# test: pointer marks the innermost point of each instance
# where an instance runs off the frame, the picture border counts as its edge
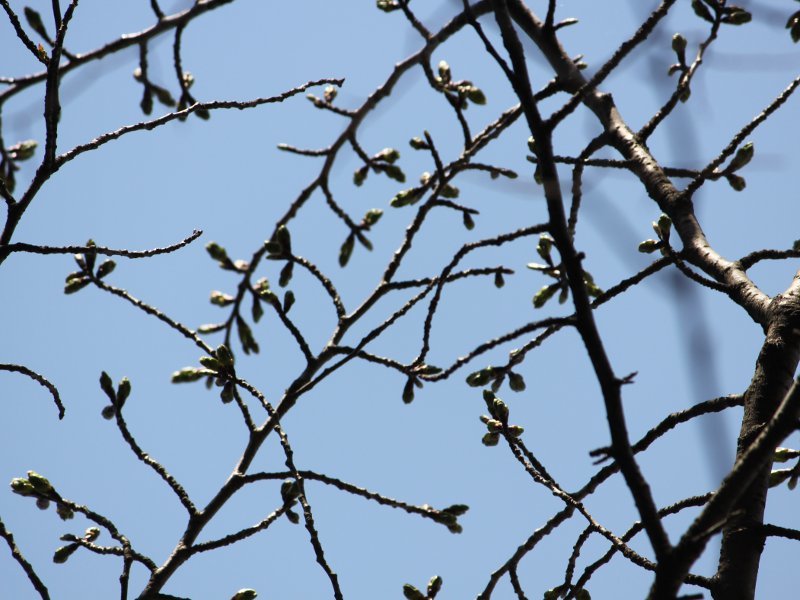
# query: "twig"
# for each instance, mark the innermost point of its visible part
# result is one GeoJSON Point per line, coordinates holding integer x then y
{"type": "Point", "coordinates": [39, 379]}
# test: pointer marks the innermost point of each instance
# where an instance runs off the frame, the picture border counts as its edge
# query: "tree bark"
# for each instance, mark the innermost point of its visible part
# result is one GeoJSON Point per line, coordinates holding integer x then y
{"type": "Point", "coordinates": [742, 539]}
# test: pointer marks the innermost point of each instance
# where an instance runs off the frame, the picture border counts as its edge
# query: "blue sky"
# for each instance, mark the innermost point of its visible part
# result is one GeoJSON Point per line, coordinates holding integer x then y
{"type": "Point", "coordinates": [227, 177]}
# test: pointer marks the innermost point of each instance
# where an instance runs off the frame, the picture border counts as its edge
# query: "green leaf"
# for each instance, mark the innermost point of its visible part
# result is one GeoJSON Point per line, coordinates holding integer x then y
{"type": "Point", "coordinates": [217, 252]}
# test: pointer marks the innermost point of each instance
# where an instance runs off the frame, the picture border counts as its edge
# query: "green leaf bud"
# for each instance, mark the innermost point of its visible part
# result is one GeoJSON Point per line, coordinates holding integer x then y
{"type": "Point", "coordinates": [217, 252]}
{"type": "Point", "coordinates": [469, 223]}
{"type": "Point", "coordinates": [105, 268]}
{"type": "Point", "coordinates": [224, 356]}
{"type": "Point", "coordinates": [387, 5]}
{"type": "Point", "coordinates": [123, 390]}
{"type": "Point", "coordinates": [107, 386]}
{"type": "Point", "coordinates": [702, 11]}
{"type": "Point", "coordinates": [23, 487]}
{"type": "Point", "coordinates": [286, 274]}
{"type": "Point", "coordinates": [737, 182]}
{"type": "Point", "coordinates": [494, 426]}
{"type": "Point", "coordinates": [389, 155]}
{"type": "Point", "coordinates": [64, 511]}
{"type": "Point", "coordinates": [288, 301]}
{"type": "Point", "coordinates": [475, 95]}
{"type": "Point", "coordinates": [743, 156]}
{"type": "Point", "coordinates": [284, 238]}
{"type": "Point", "coordinates": [228, 392]}
{"type": "Point", "coordinates": [394, 172]}
{"type": "Point", "coordinates": [434, 585]}
{"type": "Point", "coordinates": [679, 45]}
{"type": "Point", "coordinates": [360, 175]}
{"type": "Point", "coordinates": [405, 198]}
{"type": "Point", "coordinates": [245, 594]}
{"type": "Point", "coordinates": [480, 378]}
{"type": "Point", "coordinates": [490, 439]}
{"type": "Point", "coordinates": [211, 363]}
{"type": "Point", "coordinates": [784, 454]}
{"type": "Point", "coordinates": [449, 191]}
{"type": "Point", "coordinates": [499, 281]}
{"type": "Point", "coordinates": [221, 299]}
{"type": "Point", "coordinates": [649, 246]}
{"type": "Point", "coordinates": [408, 391]}
{"type": "Point", "coordinates": [778, 476]}
{"type": "Point", "coordinates": [329, 93]}
{"type": "Point", "coordinates": [417, 143]}
{"type": "Point", "coordinates": [515, 430]}
{"type": "Point", "coordinates": [22, 150]}
{"type": "Point", "coordinates": [499, 410]}
{"type": "Point", "coordinates": [188, 375]}
{"type": "Point", "coordinates": [346, 251]}
{"type": "Point", "coordinates": [76, 284]}
{"type": "Point", "coordinates": [412, 593]}
{"type": "Point", "coordinates": [63, 553]}
{"type": "Point", "coordinates": [40, 484]}
{"type": "Point", "coordinates": [108, 412]}
{"type": "Point", "coordinates": [444, 71]}
{"type": "Point", "coordinates": [373, 216]}
{"type": "Point", "coordinates": [42, 503]}
{"type": "Point", "coordinates": [91, 534]}
{"type": "Point", "coordinates": [256, 311]}
{"type": "Point", "coordinates": [736, 16]}
{"type": "Point", "coordinates": [543, 295]}
{"type": "Point", "coordinates": [516, 382]}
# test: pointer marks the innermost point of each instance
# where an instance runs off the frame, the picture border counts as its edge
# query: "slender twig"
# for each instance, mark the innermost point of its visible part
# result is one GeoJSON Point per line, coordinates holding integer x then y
{"type": "Point", "coordinates": [214, 105]}
{"type": "Point", "coordinates": [41, 380]}
{"type": "Point", "coordinates": [37, 249]}
{"type": "Point", "coordinates": [17, 555]}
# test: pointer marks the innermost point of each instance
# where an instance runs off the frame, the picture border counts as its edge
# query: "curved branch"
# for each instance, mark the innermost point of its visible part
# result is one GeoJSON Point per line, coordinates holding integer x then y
{"type": "Point", "coordinates": [39, 379]}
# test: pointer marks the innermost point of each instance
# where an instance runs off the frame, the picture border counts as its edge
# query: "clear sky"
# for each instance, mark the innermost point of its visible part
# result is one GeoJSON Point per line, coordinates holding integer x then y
{"type": "Point", "coordinates": [227, 178]}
